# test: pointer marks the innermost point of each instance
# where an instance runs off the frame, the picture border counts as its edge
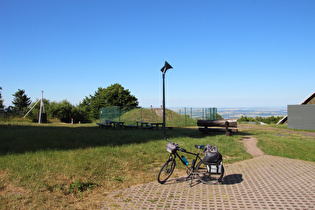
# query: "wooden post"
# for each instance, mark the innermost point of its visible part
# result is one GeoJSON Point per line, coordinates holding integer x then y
{"type": "Point", "coordinates": [227, 128]}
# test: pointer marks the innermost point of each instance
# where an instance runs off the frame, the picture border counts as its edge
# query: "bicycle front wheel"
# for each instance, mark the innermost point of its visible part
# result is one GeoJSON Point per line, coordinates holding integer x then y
{"type": "Point", "coordinates": [166, 170]}
{"type": "Point", "coordinates": [206, 175]}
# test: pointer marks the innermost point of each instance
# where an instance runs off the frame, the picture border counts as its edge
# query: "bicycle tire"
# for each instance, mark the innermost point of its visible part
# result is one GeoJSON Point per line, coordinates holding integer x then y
{"type": "Point", "coordinates": [166, 171]}
{"type": "Point", "coordinates": [206, 177]}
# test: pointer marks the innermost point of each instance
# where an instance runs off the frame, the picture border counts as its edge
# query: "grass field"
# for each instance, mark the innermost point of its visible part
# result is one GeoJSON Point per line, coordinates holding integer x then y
{"type": "Point", "coordinates": [75, 166]}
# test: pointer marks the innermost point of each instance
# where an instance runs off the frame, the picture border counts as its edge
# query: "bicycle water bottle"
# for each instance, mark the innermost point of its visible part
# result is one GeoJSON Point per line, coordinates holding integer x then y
{"type": "Point", "coordinates": [185, 160]}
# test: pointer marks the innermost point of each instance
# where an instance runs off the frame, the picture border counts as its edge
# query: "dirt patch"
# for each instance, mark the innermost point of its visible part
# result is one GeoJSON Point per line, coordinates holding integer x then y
{"type": "Point", "coordinates": [250, 144]}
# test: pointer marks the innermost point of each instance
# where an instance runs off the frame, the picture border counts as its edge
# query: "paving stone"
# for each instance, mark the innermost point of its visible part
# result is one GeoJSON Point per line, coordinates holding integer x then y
{"type": "Point", "coordinates": [264, 182]}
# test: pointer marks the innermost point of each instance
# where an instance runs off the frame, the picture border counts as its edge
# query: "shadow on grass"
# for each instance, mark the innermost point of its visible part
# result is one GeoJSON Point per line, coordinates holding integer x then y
{"type": "Point", "coordinates": [21, 138]}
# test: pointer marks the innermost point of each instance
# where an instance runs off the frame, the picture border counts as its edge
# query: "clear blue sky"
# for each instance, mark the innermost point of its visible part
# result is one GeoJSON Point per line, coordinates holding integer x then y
{"type": "Point", "coordinates": [224, 53]}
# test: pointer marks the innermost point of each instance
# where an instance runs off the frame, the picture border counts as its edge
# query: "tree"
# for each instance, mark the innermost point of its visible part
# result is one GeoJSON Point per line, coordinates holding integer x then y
{"type": "Point", "coordinates": [114, 95]}
{"type": "Point", "coordinates": [1, 100]}
{"type": "Point", "coordinates": [20, 100]}
{"type": "Point", "coordinates": [219, 117]}
{"type": "Point", "coordinates": [79, 115]}
{"type": "Point", "coordinates": [61, 110]}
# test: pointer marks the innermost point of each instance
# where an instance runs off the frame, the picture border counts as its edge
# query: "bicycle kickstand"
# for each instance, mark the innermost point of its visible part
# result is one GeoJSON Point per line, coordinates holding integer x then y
{"type": "Point", "coordinates": [191, 176]}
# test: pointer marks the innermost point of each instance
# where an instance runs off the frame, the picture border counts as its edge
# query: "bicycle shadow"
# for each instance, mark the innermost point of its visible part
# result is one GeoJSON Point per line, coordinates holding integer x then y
{"type": "Point", "coordinates": [232, 179]}
{"type": "Point", "coordinates": [227, 180]}
{"type": "Point", "coordinates": [177, 180]}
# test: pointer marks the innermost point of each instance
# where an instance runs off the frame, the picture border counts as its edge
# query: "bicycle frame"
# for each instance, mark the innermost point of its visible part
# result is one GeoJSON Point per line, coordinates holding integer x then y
{"type": "Point", "coordinates": [194, 161]}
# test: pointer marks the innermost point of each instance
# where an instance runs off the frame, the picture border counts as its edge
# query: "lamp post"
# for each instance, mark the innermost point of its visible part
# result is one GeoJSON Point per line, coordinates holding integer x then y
{"type": "Point", "coordinates": [163, 70]}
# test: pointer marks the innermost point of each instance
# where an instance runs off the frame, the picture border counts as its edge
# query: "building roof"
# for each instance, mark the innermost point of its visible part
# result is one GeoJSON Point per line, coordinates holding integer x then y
{"type": "Point", "coordinates": [309, 99]}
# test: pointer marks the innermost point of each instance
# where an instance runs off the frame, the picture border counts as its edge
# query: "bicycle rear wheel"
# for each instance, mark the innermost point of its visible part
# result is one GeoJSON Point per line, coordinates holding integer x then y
{"type": "Point", "coordinates": [166, 170]}
{"type": "Point", "coordinates": [205, 175]}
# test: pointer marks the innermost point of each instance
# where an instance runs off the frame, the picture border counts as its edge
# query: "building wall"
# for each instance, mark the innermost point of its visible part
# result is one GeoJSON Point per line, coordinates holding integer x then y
{"type": "Point", "coordinates": [301, 116]}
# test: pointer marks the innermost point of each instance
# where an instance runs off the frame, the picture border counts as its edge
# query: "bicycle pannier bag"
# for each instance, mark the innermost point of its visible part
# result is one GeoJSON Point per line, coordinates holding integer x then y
{"type": "Point", "coordinates": [171, 148]}
{"type": "Point", "coordinates": [215, 168]}
{"type": "Point", "coordinates": [212, 154]}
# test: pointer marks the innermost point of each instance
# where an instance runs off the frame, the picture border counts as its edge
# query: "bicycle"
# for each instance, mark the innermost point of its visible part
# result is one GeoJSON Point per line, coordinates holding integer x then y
{"type": "Point", "coordinates": [207, 173]}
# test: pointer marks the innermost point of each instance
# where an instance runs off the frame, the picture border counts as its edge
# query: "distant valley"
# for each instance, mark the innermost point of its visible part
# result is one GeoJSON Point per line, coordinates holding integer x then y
{"type": "Point", "coordinates": [228, 113]}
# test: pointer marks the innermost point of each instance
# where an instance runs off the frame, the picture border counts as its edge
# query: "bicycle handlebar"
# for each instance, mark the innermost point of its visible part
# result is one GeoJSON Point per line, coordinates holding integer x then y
{"type": "Point", "coordinates": [167, 140]}
{"type": "Point", "coordinates": [181, 149]}
{"type": "Point", "coordinates": [177, 147]}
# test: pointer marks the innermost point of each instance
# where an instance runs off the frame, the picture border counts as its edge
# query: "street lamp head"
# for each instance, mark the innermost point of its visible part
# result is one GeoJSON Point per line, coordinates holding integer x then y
{"type": "Point", "coordinates": [166, 67]}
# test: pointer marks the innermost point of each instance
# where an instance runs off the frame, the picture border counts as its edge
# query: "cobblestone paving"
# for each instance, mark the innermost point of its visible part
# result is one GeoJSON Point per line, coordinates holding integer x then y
{"type": "Point", "coordinates": [264, 182]}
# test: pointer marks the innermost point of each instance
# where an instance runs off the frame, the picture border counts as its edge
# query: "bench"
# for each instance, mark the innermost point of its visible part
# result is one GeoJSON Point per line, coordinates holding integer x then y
{"type": "Point", "coordinates": [148, 126]}
{"type": "Point", "coordinates": [224, 124]}
{"type": "Point", "coordinates": [130, 126]}
{"type": "Point", "coordinates": [104, 125]}
{"type": "Point", "coordinates": [157, 125]}
{"type": "Point", "coordinates": [110, 123]}
{"type": "Point", "coordinates": [144, 125]}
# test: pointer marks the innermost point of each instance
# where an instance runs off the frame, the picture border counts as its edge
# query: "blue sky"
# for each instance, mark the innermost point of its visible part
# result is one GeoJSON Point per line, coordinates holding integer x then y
{"type": "Point", "coordinates": [224, 53]}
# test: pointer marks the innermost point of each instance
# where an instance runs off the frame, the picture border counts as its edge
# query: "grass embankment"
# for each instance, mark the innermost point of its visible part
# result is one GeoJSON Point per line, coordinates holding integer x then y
{"type": "Point", "coordinates": [148, 115]}
{"type": "Point", "coordinates": [69, 166]}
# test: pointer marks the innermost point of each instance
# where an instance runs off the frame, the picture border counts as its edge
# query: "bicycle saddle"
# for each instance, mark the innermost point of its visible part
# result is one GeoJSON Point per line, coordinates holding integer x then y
{"type": "Point", "coordinates": [200, 146]}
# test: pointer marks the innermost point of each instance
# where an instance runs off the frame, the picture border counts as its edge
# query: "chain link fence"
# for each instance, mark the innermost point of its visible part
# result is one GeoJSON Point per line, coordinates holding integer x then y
{"type": "Point", "coordinates": [197, 113]}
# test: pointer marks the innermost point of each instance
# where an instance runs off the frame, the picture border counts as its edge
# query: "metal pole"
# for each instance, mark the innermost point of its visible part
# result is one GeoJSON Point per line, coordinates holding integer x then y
{"type": "Point", "coordinates": [164, 131]}
{"type": "Point", "coordinates": [40, 109]}
{"type": "Point", "coordinates": [119, 113]}
{"type": "Point", "coordinates": [185, 115]}
{"type": "Point", "coordinates": [42, 102]}
{"type": "Point", "coordinates": [31, 108]}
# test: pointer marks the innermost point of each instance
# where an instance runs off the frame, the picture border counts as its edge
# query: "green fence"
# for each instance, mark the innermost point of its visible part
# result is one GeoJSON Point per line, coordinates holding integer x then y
{"type": "Point", "coordinates": [129, 115]}
{"type": "Point", "coordinates": [174, 116]}
{"type": "Point", "coordinates": [113, 113]}
{"type": "Point", "coordinates": [197, 113]}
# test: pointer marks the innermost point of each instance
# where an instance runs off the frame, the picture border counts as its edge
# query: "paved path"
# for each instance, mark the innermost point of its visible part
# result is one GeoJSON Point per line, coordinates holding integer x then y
{"type": "Point", "coordinates": [264, 182]}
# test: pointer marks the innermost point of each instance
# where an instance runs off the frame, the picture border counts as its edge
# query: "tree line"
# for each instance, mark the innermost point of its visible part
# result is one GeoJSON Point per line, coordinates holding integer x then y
{"type": "Point", "coordinates": [86, 111]}
{"type": "Point", "coordinates": [268, 120]}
